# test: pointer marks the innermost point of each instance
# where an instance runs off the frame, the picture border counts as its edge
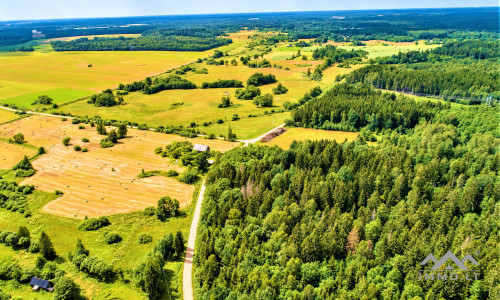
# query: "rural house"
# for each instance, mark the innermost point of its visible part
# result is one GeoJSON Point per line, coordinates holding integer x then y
{"type": "Point", "coordinates": [38, 283]}
{"type": "Point", "coordinates": [201, 148]}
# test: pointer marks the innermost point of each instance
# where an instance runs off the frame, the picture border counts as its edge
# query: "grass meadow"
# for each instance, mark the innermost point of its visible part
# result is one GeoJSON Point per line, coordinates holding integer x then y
{"type": "Point", "coordinates": [300, 134]}
{"type": "Point", "coordinates": [122, 255]}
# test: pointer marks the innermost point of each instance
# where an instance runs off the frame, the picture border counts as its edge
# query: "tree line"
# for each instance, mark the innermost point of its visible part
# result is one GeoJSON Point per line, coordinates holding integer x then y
{"type": "Point", "coordinates": [142, 43]}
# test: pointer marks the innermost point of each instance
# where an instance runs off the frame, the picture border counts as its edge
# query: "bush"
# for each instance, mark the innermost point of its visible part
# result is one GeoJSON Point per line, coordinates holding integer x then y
{"type": "Point", "coordinates": [85, 150]}
{"type": "Point", "coordinates": [81, 127]}
{"type": "Point", "coordinates": [18, 138]}
{"type": "Point", "coordinates": [149, 211]}
{"type": "Point", "coordinates": [58, 192]}
{"type": "Point", "coordinates": [34, 248]}
{"type": "Point", "coordinates": [106, 143]}
{"type": "Point", "coordinates": [65, 141]}
{"type": "Point", "coordinates": [172, 173]}
{"type": "Point", "coordinates": [144, 238]}
{"type": "Point", "coordinates": [248, 93]}
{"type": "Point", "coordinates": [94, 224]}
{"type": "Point", "coordinates": [77, 148]}
{"type": "Point", "coordinates": [25, 173]}
{"type": "Point", "coordinates": [189, 176]}
{"type": "Point", "coordinates": [66, 289]}
{"type": "Point", "coordinates": [85, 140]}
{"type": "Point", "coordinates": [280, 89]}
{"type": "Point", "coordinates": [112, 238]}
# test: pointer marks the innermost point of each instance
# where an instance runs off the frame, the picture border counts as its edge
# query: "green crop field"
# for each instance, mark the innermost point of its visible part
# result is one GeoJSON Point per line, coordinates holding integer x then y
{"type": "Point", "coordinates": [181, 107]}
{"type": "Point", "coordinates": [71, 75]}
{"type": "Point", "coordinates": [58, 95]}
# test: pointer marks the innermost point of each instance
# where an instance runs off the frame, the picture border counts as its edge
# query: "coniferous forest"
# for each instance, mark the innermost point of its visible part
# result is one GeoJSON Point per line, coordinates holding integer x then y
{"type": "Point", "coordinates": [467, 69]}
{"type": "Point", "coordinates": [328, 220]}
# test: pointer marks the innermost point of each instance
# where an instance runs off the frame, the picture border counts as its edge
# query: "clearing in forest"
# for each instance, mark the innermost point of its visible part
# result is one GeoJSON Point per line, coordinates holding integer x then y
{"type": "Point", "coordinates": [300, 134]}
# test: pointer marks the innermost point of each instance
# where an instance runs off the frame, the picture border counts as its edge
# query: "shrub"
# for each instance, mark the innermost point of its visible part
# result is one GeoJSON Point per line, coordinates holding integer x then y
{"type": "Point", "coordinates": [189, 176]}
{"type": "Point", "coordinates": [149, 211]}
{"type": "Point", "coordinates": [144, 238]}
{"type": "Point", "coordinates": [85, 140]}
{"type": "Point", "coordinates": [66, 289]}
{"type": "Point", "coordinates": [81, 127]}
{"type": "Point", "coordinates": [94, 223]}
{"type": "Point", "coordinates": [77, 148]}
{"type": "Point", "coordinates": [58, 192]}
{"type": "Point", "coordinates": [25, 173]}
{"type": "Point", "coordinates": [18, 138]}
{"type": "Point", "coordinates": [112, 238]}
{"type": "Point", "coordinates": [172, 173]}
{"type": "Point", "coordinates": [41, 151]}
{"type": "Point", "coordinates": [40, 262]}
{"type": "Point", "coordinates": [34, 248]}
{"type": "Point", "coordinates": [280, 89]}
{"type": "Point", "coordinates": [65, 141]}
{"type": "Point", "coordinates": [85, 150]}
{"type": "Point", "coordinates": [106, 143]}
{"type": "Point", "coordinates": [248, 93]}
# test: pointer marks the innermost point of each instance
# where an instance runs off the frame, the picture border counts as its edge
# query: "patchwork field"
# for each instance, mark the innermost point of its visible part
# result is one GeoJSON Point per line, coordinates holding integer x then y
{"type": "Point", "coordinates": [125, 254]}
{"type": "Point", "coordinates": [101, 181]}
{"type": "Point", "coordinates": [47, 73]}
{"type": "Point", "coordinates": [181, 107]}
{"type": "Point", "coordinates": [300, 134]}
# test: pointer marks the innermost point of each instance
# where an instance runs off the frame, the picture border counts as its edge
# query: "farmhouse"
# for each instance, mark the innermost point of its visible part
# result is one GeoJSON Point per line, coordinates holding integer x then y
{"type": "Point", "coordinates": [37, 34]}
{"type": "Point", "coordinates": [38, 283]}
{"type": "Point", "coordinates": [201, 148]}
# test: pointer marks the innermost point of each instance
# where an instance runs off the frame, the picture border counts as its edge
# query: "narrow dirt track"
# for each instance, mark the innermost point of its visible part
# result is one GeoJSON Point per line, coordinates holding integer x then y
{"type": "Point", "coordinates": [187, 275]}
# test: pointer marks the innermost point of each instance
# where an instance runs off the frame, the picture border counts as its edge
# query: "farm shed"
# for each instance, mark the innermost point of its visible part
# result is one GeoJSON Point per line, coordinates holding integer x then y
{"type": "Point", "coordinates": [38, 283]}
{"type": "Point", "coordinates": [201, 148]}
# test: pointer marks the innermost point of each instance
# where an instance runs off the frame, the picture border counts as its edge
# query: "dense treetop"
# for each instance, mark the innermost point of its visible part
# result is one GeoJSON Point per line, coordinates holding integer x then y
{"type": "Point", "coordinates": [325, 220]}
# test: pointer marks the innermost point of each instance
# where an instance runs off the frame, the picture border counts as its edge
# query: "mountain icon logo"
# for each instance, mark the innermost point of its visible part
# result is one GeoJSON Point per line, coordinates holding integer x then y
{"type": "Point", "coordinates": [449, 256]}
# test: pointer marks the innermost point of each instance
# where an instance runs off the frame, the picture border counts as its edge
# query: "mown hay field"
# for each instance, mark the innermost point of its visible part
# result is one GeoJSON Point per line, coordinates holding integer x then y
{"type": "Point", "coordinates": [101, 181]}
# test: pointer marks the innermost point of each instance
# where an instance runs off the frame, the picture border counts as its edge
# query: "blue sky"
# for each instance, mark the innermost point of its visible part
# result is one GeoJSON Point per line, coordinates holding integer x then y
{"type": "Point", "coordinates": [50, 9]}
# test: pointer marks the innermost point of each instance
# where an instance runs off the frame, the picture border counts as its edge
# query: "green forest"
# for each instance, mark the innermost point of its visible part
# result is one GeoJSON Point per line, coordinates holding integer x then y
{"type": "Point", "coordinates": [467, 69]}
{"type": "Point", "coordinates": [142, 43]}
{"type": "Point", "coordinates": [328, 220]}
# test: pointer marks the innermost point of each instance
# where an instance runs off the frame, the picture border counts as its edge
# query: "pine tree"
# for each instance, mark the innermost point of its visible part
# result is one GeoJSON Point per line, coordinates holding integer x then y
{"type": "Point", "coordinates": [24, 164]}
{"type": "Point", "coordinates": [179, 245]}
{"type": "Point", "coordinates": [46, 247]}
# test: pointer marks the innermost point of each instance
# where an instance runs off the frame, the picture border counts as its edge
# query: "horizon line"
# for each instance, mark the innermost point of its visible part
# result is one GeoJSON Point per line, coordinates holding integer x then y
{"type": "Point", "coordinates": [243, 13]}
